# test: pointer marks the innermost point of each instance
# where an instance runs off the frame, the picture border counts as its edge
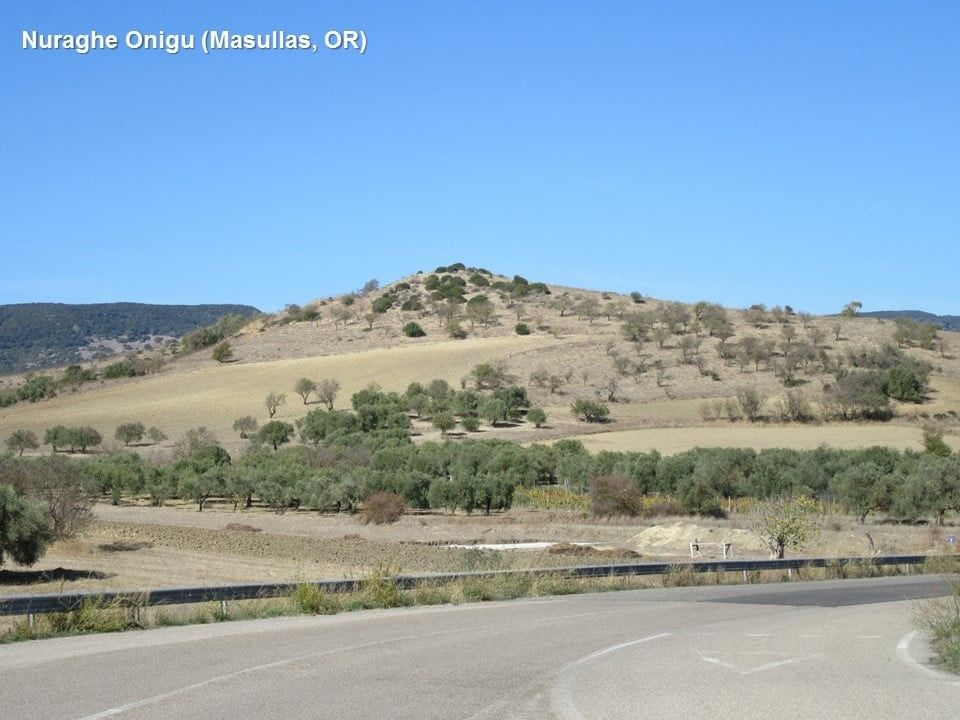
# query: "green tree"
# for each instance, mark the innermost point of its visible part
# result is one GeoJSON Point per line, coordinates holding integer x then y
{"type": "Point", "coordinates": [412, 329]}
{"type": "Point", "coordinates": [444, 422]}
{"type": "Point", "coordinates": [21, 440]}
{"type": "Point", "coordinates": [493, 410]}
{"type": "Point", "coordinates": [537, 416]}
{"type": "Point", "coordinates": [590, 411]}
{"type": "Point", "coordinates": [56, 437]}
{"type": "Point", "coordinates": [275, 433]}
{"type": "Point", "coordinates": [24, 527]}
{"type": "Point", "coordinates": [156, 435]}
{"type": "Point", "coordinates": [130, 432]}
{"type": "Point", "coordinates": [245, 425]}
{"type": "Point", "coordinates": [222, 352]}
{"type": "Point", "coordinates": [785, 522]}
{"type": "Point", "coordinates": [305, 387]}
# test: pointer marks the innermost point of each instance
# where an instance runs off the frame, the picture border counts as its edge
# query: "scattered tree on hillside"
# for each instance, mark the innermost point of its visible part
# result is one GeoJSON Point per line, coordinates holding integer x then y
{"type": "Point", "coordinates": [21, 440]}
{"type": "Point", "coordinates": [245, 425]}
{"type": "Point", "coordinates": [851, 308]}
{"type": "Point", "coordinates": [273, 401]}
{"type": "Point", "coordinates": [537, 416]}
{"type": "Point", "coordinates": [327, 391]}
{"type": "Point", "coordinates": [589, 411]}
{"type": "Point", "coordinates": [156, 435]}
{"type": "Point", "coordinates": [130, 432]}
{"type": "Point", "coordinates": [751, 402]}
{"type": "Point", "coordinates": [24, 527]}
{"type": "Point", "coordinates": [305, 387]}
{"type": "Point", "coordinates": [275, 433]}
{"type": "Point", "coordinates": [222, 352]}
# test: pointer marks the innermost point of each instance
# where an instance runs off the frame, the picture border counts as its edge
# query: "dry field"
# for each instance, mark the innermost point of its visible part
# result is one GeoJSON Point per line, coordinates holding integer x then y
{"type": "Point", "coordinates": [195, 391]}
{"type": "Point", "coordinates": [137, 547]}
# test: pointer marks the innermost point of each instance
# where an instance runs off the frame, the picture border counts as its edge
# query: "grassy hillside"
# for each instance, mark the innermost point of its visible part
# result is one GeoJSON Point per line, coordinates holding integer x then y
{"type": "Point", "coordinates": [663, 391]}
{"type": "Point", "coordinates": [41, 335]}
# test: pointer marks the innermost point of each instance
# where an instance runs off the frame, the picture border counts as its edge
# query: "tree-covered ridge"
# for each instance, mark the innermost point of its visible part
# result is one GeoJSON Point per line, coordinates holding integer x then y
{"type": "Point", "coordinates": [38, 335]}
{"type": "Point", "coordinates": [947, 322]}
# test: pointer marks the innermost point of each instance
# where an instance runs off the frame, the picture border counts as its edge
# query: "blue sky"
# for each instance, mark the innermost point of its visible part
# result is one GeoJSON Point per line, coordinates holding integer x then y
{"type": "Point", "coordinates": [802, 153]}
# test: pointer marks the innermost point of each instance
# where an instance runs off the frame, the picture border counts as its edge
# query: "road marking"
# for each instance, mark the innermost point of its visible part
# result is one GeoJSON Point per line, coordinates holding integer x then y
{"type": "Point", "coordinates": [120, 709]}
{"type": "Point", "coordinates": [903, 652]}
{"type": "Point", "coordinates": [869, 637]}
{"type": "Point", "coordinates": [612, 649]}
{"type": "Point", "coordinates": [778, 663]}
{"type": "Point", "coordinates": [561, 699]}
{"type": "Point", "coordinates": [813, 635]}
{"type": "Point", "coordinates": [757, 635]}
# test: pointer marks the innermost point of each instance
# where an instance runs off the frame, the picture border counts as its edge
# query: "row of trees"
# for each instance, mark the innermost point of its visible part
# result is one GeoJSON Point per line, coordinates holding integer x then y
{"type": "Point", "coordinates": [80, 438]}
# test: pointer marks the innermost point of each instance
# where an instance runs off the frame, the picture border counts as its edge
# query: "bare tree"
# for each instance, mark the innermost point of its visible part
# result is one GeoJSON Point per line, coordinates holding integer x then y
{"type": "Point", "coordinates": [327, 392]}
{"type": "Point", "coordinates": [273, 401]}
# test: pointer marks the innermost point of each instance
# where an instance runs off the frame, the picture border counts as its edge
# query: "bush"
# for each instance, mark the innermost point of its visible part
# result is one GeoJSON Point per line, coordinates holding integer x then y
{"type": "Point", "coordinates": [36, 388]}
{"type": "Point", "coordinates": [412, 329]}
{"type": "Point", "coordinates": [130, 432]}
{"type": "Point", "coordinates": [456, 331]}
{"type": "Point", "coordinates": [24, 527]}
{"type": "Point", "coordinates": [382, 508]}
{"type": "Point", "coordinates": [311, 600]}
{"type": "Point", "coordinates": [522, 329]}
{"type": "Point", "coordinates": [222, 352]}
{"type": "Point", "coordinates": [471, 423]}
{"type": "Point", "coordinates": [903, 384]}
{"type": "Point", "coordinates": [590, 411]}
{"type": "Point", "coordinates": [383, 303]}
{"type": "Point", "coordinates": [537, 416]}
{"type": "Point", "coordinates": [614, 495]}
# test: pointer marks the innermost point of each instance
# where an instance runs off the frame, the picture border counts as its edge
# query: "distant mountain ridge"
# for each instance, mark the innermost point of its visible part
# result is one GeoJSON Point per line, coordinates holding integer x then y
{"type": "Point", "coordinates": [39, 335]}
{"type": "Point", "coordinates": [947, 322]}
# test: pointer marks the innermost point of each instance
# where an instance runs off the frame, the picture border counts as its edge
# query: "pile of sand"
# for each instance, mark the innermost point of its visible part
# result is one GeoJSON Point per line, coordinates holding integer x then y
{"type": "Point", "coordinates": [675, 539]}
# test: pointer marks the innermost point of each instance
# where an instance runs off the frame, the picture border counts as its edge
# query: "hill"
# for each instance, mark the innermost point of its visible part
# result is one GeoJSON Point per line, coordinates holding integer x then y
{"type": "Point", "coordinates": [40, 335]}
{"type": "Point", "coordinates": [947, 322]}
{"type": "Point", "coordinates": [670, 373]}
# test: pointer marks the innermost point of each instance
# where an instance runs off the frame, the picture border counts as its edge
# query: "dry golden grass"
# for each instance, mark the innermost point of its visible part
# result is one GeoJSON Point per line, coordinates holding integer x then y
{"type": "Point", "coordinates": [672, 440]}
{"type": "Point", "coordinates": [194, 390]}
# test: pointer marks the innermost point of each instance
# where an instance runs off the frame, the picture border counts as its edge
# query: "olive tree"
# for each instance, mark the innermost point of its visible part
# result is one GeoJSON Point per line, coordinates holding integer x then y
{"type": "Point", "coordinates": [327, 390]}
{"type": "Point", "coordinates": [273, 401]}
{"type": "Point", "coordinates": [785, 522]}
{"type": "Point", "coordinates": [130, 432]}
{"type": "Point", "coordinates": [21, 440]}
{"type": "Point", "coordinates": [305, 387]}
{"type": "Point", "coordinates": [24, 527]}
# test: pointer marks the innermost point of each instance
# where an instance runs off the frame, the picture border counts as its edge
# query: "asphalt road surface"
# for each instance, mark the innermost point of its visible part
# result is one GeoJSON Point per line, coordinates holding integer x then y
{"type": "Point", "coordinates": [838, 649]}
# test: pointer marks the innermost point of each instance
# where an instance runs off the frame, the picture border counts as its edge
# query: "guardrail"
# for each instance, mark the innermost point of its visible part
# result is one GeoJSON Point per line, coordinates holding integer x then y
{"type": "Point", "coordinates": [39, 604]}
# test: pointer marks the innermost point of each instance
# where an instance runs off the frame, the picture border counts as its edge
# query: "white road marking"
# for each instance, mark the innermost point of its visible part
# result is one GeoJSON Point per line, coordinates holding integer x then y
{"type": "Point", "coordinates": [561, 699]}
{"type": "Point", "coordinates": [758, 635]}
{"type": "Point", "coordinates": [903, 652]}
{"type": "Point", "coordinates": [869, 637]}
{"type": "Point", "coordinates": [120, 709]}
{"type": "Point", "coordinates": [612, 649]}
{"type": "Point", "coordinates": [778, 663]}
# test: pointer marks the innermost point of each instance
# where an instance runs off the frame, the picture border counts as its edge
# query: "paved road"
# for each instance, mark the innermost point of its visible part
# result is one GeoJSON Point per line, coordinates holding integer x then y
{"type": "Point", "coordinates": [839, 649]}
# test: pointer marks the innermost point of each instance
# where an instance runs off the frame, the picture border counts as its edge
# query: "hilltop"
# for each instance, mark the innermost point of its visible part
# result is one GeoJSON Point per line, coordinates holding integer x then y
{"type": "Point", "coordinates": [35, 336]}
{"type": "Point", "coordinates": [671, 374]}
{"type": "Point", "coordinates": [947, 322]}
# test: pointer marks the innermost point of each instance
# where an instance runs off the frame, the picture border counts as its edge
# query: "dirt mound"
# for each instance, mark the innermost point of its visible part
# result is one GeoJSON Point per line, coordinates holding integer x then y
{"type": "Point", "coordinates": [589, 551]}
{"type": "Point", "coordinates": [675, 539]}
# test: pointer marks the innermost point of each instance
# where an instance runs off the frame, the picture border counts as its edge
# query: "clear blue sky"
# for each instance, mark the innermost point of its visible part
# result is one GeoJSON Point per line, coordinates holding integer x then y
{"type": "Point", "coordinates": [802, 153]}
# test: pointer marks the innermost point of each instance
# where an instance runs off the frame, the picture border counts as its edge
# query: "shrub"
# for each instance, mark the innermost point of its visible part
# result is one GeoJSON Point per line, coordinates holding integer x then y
{"type": "Point", "coordinates": [903, 384]}
{"type": "Point", "coordinates": [522, 329]}
{"type": "Point", "coordinates": [615, 495]}
{"type": "Point", "coordinates": [456, 331]}
{"type": "Point", "coordinates": [122, 369]}
{"type": "Point", "coordinates": [471, 423]}
{"type": "Point", "coordinates": [311, 600]}
{"type": "Point", "coordinates": [590, 411]}
{"type": "Point", "coordinates": [130, 432]}
{"type": "Point", "coordinates": [382, 304]}
{"type": "Point", "coordinates": [222, 352]}
{"type": "Point", "coordinates": [412, 329]}
{"type": "Point", "coordinates": [382, 508]}
{"type": "Point", "coordinates": [537, 416]}
{"type": "Point", "coordinates": [36, 388]}
{"type": "Point", "coordinates": [24, 527]}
